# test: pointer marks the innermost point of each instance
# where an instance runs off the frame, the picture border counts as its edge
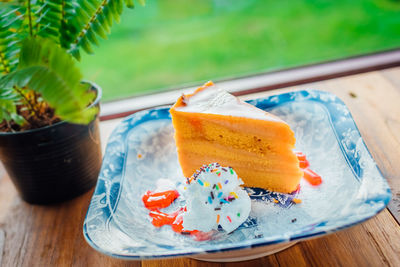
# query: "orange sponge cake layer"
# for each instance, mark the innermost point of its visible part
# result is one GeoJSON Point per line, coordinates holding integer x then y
{"type": "Point", "coordinates": [214, 126]}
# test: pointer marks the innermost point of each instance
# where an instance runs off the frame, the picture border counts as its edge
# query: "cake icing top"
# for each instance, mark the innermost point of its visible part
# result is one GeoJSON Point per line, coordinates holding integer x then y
{"type": "Point", "coordinates": [214, 100]}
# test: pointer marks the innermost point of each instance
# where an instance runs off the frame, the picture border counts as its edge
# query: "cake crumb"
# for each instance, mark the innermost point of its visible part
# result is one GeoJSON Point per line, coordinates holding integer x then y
{"type": "Point", "coordinates": [353, 95]}
{"type": "Point", "coordinates": [139, 156]}
{"type": "Point", "coordinates": [296, 200]}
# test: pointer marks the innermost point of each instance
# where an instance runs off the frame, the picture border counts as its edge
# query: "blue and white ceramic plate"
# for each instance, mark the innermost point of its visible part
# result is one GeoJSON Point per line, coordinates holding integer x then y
{"type": "Point", "coordinates": [142, 150]}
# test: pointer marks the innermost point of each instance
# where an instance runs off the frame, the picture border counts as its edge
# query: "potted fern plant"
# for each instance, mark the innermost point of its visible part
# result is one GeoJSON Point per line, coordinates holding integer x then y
{"type": "Point", "coordinates": [49, 135]}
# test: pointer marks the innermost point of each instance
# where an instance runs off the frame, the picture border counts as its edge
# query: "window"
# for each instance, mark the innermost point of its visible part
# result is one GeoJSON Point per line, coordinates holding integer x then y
{"type": "Point", "coordinates": [172, 44]}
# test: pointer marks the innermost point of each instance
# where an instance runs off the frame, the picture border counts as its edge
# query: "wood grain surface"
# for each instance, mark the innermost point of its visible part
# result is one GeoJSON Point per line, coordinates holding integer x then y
{"type": "Point", "coordinates": [33, 235]}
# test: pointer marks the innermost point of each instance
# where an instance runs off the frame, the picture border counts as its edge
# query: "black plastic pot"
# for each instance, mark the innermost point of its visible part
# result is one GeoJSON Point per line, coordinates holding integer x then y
{"type": "Point", "coordinates": [53, 163]}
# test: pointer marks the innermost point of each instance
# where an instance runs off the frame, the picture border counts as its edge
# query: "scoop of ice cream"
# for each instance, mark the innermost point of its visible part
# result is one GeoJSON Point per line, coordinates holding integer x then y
{"type": "Point", "coordinates": [214, 197]}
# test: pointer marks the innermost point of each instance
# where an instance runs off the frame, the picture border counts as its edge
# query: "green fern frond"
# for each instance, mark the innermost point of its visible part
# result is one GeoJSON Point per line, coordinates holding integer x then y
{"type": "Point", "coordinates": [10, 23]}
{"type": "Point", "coordinates": [47, 69]}
{"type": "Point", "coordinates": [93, 19]}
{"type": "Point", "coordinates": [52, 16]}
{"type": "Point", "coordinates": [130, 4]}
{"type": "Point", "coordinates": [8, 106]}
{"type": "Point", "coordinates": [31, 33]}
{"type": "Point", "coordinates": [8, 111]}
{"type": "Point", "coordinates": [48, 19]}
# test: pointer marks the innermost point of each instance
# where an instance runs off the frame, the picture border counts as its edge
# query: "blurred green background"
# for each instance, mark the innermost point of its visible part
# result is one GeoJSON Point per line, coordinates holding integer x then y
{"type": "Point", "coordinates": [168, 44]}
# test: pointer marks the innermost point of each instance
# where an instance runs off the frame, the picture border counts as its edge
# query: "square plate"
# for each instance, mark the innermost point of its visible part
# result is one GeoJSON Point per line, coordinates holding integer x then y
{"type": "Point", "coordinates": [142, 150]}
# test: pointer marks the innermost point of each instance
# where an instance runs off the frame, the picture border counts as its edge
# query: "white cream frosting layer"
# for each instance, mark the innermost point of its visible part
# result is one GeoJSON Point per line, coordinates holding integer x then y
{"type": "Point", "coordinates": [214, 197]}
{"type": "Point", "coordinates": [213, 100]}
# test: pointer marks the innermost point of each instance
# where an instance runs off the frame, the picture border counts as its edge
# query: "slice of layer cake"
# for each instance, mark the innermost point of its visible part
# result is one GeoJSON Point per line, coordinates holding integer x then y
{"type": "Point", "coordinates": [212, 125]}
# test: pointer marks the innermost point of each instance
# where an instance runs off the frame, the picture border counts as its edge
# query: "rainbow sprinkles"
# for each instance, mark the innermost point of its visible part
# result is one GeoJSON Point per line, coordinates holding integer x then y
{"type": "Point", "coordinates": [214, 192]}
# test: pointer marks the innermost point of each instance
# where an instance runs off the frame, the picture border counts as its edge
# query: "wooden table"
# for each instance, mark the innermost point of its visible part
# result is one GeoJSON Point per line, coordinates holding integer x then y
{"type": "Point", "coordinates": [52, 235]}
